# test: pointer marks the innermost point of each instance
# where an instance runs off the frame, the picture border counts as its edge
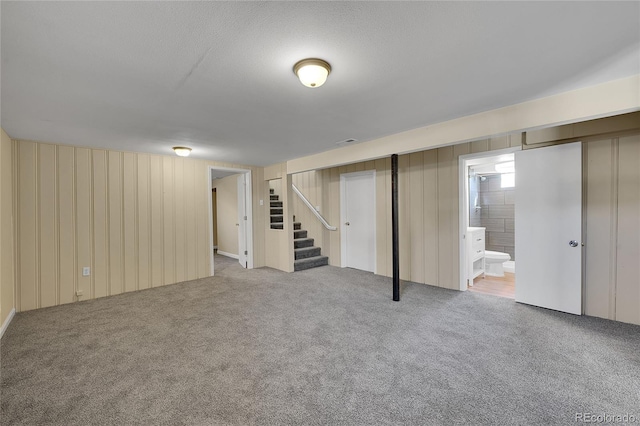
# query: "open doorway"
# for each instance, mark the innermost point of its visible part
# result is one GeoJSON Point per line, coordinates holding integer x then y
{"type": "Point", "coordinates": [487, 223]}
{"type": "Point", "coordinates": [230, 215]}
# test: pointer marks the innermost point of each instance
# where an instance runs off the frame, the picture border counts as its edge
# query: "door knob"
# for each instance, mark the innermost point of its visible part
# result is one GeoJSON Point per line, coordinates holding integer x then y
{"type": "Point", "coordinates": [347, 223]}
{"type": "Point", "coordinates": [573, 243]}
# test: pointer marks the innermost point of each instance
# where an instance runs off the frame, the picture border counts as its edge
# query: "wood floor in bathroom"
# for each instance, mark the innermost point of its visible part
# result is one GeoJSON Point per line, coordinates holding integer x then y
{"type": "Point", "coordinates": [496, 286]}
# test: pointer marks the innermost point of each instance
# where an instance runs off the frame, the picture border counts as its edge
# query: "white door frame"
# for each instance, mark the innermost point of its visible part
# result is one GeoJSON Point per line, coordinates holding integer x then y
{"type": "Point", "coordinates": [464, 161]}
{"type": "Point", "coordinates": [249, 207]}
{"type": "Point", "coordinates": [343, 214]}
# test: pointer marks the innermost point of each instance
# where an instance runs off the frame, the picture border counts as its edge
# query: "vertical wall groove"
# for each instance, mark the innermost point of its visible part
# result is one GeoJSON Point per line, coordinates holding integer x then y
{"type": "Point", "coordinates": [57, 224]}
{"type": "Point", "coordinates": [37, 210]}
{"type": "Point", "coordinates": [107, 224]}
{"type": "Point", "coordinates": [613, 252]}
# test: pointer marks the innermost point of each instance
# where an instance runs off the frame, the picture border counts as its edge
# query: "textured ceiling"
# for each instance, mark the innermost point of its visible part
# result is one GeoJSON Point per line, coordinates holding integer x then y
{"type": "Point", "coordinates": [216, 76]}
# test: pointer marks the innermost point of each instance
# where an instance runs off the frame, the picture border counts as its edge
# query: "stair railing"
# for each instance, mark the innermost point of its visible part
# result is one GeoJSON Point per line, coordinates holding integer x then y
{"type": "Point", "coordinates": [313, 210]}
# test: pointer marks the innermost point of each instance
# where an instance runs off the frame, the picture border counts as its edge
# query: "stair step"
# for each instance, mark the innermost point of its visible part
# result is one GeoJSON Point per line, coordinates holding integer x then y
{"type": "Point", "coordinates": [276, 210]}
{"type": "Point", "coordinates": [276, 218]}
{"type": "Point", "coordinates": [274, 197]}
{"type": "Point", "coordinates": [310, 262]}
{"type": "Point", "coordinates": [300, 234]}
{"type": "Point", "coordinates": [277, 225]}
{"type": "Point", "coordinates": [297, 226]}
{"type": "Point", "coordinates": [302, 242]}
{"type": "Point", "coordinates": [276, 204]}
{"type": "Point", "coordinates": [305, 252]}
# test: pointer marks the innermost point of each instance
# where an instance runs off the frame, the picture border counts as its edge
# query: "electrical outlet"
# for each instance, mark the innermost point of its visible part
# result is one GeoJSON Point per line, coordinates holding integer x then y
{"type": "Point", "coordinates": [86, 271]}
{"type": "Point", "coordinates": [262, 202]}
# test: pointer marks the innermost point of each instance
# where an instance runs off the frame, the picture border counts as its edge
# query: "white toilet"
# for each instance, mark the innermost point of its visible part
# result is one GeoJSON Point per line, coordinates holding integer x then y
{"type": "Point", "coordinates": [493, 261]}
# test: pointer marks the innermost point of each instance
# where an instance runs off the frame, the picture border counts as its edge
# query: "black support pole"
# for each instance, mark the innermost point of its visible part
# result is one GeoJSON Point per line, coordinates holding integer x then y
{"type": "Point", "coordinates": [394, 227]}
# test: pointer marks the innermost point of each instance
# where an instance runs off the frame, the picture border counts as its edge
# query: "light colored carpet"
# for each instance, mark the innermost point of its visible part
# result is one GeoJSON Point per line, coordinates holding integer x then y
{"type": "Point", "coordinates": [322, 346]}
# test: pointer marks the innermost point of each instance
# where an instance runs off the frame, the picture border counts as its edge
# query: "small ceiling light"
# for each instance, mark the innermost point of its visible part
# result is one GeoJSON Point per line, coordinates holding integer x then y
{"type": "Point", "coordinates": [182, 151]}
{"type": "Point", "coordinates": [312, 72]}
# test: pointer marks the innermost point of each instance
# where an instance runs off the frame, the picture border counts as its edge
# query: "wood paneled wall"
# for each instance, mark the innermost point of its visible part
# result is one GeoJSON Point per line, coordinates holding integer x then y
{"type": "Point", "coordinates": [278, 243]}
{"type": "Point", "coordinates": [612, 218]}
{"type": "Point", "coordinates": [7, 279]}
{"type": "Point", "coordinates": [428, 201]}
{"type": "Point", "coordinates": [137, 220]}
{"type": "Point", "coordinates": [428, 198]}
{"type": "Point", "coordinates": [310, 184]}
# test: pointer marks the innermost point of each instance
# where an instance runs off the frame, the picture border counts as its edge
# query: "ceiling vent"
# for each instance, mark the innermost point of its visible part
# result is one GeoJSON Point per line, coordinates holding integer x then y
{"type": "Point", "coordinates": [346, 141]}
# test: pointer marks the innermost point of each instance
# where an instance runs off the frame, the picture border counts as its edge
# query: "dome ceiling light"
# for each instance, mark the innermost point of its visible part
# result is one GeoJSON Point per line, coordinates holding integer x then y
{"type": "Point", "coordinates": [312, 72]}
{"type": "Point", "coordinates": [182, 151]}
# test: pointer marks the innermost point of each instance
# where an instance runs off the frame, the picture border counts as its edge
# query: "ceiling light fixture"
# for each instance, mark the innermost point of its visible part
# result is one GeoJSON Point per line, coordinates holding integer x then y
{"type": "Point", "coordinates": [312, 72]}
{"type": "Point", "coordinates": [182, 151]}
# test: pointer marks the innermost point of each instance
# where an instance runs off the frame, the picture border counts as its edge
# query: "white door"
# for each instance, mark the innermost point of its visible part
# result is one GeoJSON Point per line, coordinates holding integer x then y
{"type": "Point", "coordinates": [358, 211]}
{"type": "Point", "coordinates": [242, 220]}
{"type": "Point", "coordinates": [548, 216]}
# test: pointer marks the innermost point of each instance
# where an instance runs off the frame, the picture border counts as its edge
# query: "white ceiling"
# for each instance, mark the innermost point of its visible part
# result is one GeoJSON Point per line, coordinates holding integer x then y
{"type": "Point", "coordinates": [217, 76]}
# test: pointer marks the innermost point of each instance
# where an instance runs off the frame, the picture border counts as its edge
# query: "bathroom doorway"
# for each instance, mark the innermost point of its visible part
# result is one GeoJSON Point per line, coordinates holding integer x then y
{"type": "Point", "coordinates": [487, 223]}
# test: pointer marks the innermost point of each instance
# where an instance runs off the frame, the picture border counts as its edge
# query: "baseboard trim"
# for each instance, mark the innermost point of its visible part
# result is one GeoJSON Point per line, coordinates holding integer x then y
{"type": "Point", "coordinates": [6, 323]}
{"type": "Point", "coordinates": [224, 253]}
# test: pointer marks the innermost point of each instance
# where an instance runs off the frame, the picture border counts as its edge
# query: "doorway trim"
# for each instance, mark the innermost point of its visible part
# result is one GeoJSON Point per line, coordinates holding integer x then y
{"type": "Point", "coordinates": [249, 207]}
{"type": "Point", "coordinates": [464, 161]}
{"type": "Point", "coordinates": [343, 206]}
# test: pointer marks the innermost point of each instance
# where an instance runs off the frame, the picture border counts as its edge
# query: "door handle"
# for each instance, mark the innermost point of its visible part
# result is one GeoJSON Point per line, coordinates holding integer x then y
{"type": "Point", "coordinates": [347, 223]}
{"type": "Point", "coordinates": [573, 243]}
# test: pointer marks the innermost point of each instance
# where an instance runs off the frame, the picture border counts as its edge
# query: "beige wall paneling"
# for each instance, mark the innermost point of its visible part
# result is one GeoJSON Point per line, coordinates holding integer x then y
{"type": "Point", "coordinates": [47, 226]}
{"type": "Point", "coordinates": [388, 237]}
{"type": "Point", "coordinates": [144, 230]}
{"type": "Point", "coordinates": [499, 142]}
{"type": "Point", "coordinates": [628, 267]}
{"type": "Point", "coordinates": [333, 207]}
{"type": "Point", "coordinates": [115, 223]}
{"type": "Point", "coordinates": [180, 226]}
{"type": "Point", "coordinates": [191, 223]}
{"type": "Point", "coordinates": [273, 238]}
{"type": "Point", "coordinates": [27, 226]}
{"type": "Point", "coordinates": [416, 215]}
{"type": "Point", "coordinates": [169, 207]}
{"type": "Point", "coordinates": [286, 252]}
{"type": "Point", "coordinates": [383, 199]}
{"type": "Point", "coordinates": [129, 221]}
{"type": "Point", "coordinates": [137, 220]}
{"type": "Point", "coordinates": [430, 210]}
{"type": "Point", "coordinates": [84, 234]}
{"type": "Point", "coordinates": [7, 277]}
{"type": "Point", "coordinates": [66, 229]}
{"type": "Point", "coordinates": [100, 269]}
{"type": "Point", "coordinates": [480, 146]}
{"type": "Point", "coordinates": [157, 221]}
{"type": "Point", "coordinates": [203, 200]}
{"type": "Point", "coordinates": [447, 167]}
{"type": "Point", "coordinates": [404, 213]}
{"type": "Point", "coordinates": [260, 193]}
{"type": "Point", "coordinates": [600, 245]}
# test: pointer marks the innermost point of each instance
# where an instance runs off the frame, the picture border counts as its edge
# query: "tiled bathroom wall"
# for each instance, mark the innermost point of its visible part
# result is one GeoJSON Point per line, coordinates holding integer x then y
{"type": "Point", "coordinates": [496, 214]}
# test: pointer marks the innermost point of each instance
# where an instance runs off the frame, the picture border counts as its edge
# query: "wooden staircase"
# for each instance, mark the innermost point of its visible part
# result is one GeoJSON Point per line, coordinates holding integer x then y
{"type": "Point", "coordinates": [306, 254]}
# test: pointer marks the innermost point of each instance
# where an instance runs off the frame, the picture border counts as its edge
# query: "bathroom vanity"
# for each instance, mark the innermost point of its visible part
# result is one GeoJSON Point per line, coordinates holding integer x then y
{"type": "Point", "coordinates": [475, 252]}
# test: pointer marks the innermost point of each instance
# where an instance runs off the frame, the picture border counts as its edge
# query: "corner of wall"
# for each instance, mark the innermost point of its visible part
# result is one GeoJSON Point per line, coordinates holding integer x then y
{"type": "Point", "coordinates": [7, 246]}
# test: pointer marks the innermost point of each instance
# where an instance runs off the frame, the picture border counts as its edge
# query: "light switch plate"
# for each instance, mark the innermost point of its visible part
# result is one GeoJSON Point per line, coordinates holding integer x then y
{"type": "Point", "coordinates": [86, 271]}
